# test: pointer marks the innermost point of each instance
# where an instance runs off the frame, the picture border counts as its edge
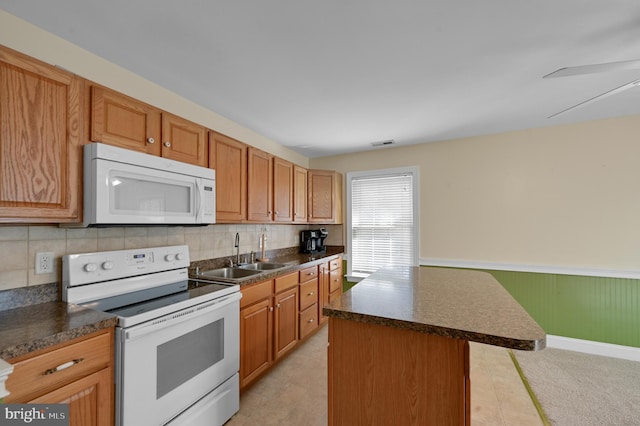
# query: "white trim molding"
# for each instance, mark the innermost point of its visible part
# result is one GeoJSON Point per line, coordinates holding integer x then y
{"type": "Point", "coordinates": [594, 348]}
{"type": "Point", "coordinates": [542, 269]}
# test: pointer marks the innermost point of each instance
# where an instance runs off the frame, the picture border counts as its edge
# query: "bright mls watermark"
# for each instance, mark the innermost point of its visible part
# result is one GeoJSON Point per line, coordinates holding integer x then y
{"type": "Point", "coordinates": [34, 414]}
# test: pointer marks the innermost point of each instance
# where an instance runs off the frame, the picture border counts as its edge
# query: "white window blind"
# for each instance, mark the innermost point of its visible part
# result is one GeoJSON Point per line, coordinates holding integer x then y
{"type": "Point", "coordinates": [382, 226]}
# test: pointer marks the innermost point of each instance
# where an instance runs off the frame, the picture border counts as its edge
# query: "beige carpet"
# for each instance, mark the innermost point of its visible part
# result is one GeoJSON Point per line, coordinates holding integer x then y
{"type": "Point", "coordinates": [579, 389]}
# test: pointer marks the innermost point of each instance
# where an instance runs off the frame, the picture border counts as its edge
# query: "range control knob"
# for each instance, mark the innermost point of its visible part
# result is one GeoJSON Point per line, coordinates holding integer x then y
{"type": "Point", "coordinates": [107, 265]}
{"type": "Point", "coordinates": [179, 256]}
{"type": "Point", "coordinates": [169, 258]}
{"type": "Point", "coordinates": [90, 267]}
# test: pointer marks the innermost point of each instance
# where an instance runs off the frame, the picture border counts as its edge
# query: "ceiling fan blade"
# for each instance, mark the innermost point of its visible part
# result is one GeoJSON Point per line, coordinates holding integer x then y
{"type": "Point", "coordinates": [595, 68]}
{"type": "Point", "coordinates": [622, 88]}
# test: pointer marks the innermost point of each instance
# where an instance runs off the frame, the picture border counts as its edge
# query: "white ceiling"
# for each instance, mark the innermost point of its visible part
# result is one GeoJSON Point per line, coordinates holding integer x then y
{"type": "Point", "coordinates": [333, 76]}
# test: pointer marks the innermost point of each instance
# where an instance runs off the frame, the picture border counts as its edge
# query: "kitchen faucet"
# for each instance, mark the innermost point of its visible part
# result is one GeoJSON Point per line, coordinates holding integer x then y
{"type": "Point", "coordinates": [237, 246]}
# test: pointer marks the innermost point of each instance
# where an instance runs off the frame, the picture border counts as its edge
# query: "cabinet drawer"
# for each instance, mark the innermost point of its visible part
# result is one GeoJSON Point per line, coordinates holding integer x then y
{"type": "Point", "coordinates": [335, 280]}
{"type": "Point", "coordinates": [308, 320]}
{"type": "Point", "coordinates": [308, 273]}
{"type": "Point", "coordinates": [255, 293]}
{"type": "Point", "coordinates": [308, 294]}
{"type": "Point", "coordinates": [335, 263]}
{"type": "Point", "coordinates": [36, 376]}
{"type": "Point", "coordinates": [286, 282]}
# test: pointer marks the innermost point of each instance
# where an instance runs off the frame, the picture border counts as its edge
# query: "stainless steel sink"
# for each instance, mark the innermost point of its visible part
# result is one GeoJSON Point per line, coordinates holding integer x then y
{"type": "Point", "coordinates": [230, 273]}
{"type": "Point", "coordinates": [263, 266]}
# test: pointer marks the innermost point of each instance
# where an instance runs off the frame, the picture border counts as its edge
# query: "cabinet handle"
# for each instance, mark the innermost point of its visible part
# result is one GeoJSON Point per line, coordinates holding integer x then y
{"type": "Point", "coordinates": [310, 294]}
{"type": "Point", "coordinates": [151, 140]}
{"type": "Point", "coordinates": [310, 321]}
{"type": "Point", "coordinates": [63, 366]}
{"type": "Point", "coordinates": [278, 306]}
{"type": "Point", "coordinates": [270, 308]}
{"type": "Point", "coordinates": [167, 144]}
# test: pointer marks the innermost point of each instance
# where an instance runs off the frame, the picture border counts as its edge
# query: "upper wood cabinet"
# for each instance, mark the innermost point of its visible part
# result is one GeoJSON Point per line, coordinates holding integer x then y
{"type": "Point", "coordinates": [260, 186]}
{"type": "Point", "coordinates": [300, 176]}
{"type": "Point", "coordinates": [40, 140]}
{"type": "Point", "coordinates": [117, 119]}
{"type": "Point", "coordinates": [325, 197]}
{"type": "Point", "coordinates": [229, 159]}
{"type": "Point", "coordinates": [183, 140]}
{"type": "Point", "coordinates": [282, 190]}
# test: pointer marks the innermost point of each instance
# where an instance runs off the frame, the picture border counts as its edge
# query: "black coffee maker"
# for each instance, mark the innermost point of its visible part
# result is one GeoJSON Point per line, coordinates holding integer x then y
{"type": "Point", "coordinates": [312, 241]}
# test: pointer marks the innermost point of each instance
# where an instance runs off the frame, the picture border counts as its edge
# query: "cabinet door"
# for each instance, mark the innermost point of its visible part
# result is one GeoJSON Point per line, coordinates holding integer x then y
{"type": "Point", "coordinates": [183, 140]}
{"type": "Point", "coordinates": [88, 398]}
{"type": "Point", "coordinates": [325, 196]}
{"type": "Point", "coordinates": [40, 146]}
{"type": "Point", "coordinates": [286, 321]}
{"type": "Point", "coordinates": [300, 176]}
{"type": "Point", "coordinates": [260, 186]}
{"type": "Point", "coordinates": [255, 340]}
{"type": "Point", "coordinates": [122, 121]}
{"type": "Point", "coordinates": [282, 190]}
{"type": "Point", "coordinates": [229, 159]}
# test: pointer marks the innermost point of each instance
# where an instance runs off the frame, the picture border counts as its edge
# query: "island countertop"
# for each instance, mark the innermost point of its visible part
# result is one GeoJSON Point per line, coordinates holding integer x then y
{"type": "Point", "coordinates": [461, 304]}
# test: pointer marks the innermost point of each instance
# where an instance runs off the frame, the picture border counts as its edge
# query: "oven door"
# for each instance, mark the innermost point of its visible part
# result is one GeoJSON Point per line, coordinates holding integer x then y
{"type": "Point", "coordinates": [167, 364]}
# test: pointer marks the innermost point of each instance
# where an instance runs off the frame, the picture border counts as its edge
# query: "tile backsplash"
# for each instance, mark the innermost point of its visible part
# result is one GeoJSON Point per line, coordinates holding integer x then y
{"type": "Point", "coordinates": [19, 244]}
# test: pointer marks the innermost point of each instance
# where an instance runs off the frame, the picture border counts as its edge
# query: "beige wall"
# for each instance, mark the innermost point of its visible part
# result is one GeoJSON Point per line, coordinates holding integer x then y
{"type": "Point", "coordinates": [564, 196]}
{"type": "Point", "coordinates": [35, 42]}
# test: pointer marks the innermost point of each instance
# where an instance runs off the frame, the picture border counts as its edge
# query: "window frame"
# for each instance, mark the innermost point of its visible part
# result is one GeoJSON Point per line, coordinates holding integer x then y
{"type": "Point", "coordinates": [415, 172]}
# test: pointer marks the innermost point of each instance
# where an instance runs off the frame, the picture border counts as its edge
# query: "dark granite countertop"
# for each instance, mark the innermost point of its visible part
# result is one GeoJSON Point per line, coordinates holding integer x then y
{"type": "Point", "coordinates": [30, 328]}
{"type": "Point", "coordinates": [461, 304]}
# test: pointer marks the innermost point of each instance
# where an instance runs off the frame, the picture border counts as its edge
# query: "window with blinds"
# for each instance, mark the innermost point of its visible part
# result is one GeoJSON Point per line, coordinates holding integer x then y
{"type": "Point", "coordinates": [382, 220]}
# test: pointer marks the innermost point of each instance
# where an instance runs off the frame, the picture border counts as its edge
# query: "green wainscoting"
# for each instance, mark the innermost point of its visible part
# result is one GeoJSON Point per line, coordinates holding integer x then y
{"type": "Point", "coordinates": [590, 308]}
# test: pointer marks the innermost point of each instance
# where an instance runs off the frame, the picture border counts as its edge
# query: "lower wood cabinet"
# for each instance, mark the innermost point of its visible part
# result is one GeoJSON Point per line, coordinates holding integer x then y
{"type": "Point", "coordinates": [286, 321]}
{"type": "Point", "coordinates": [276, 315]}
{"type": "Point", "coordinates": [268, 324]}
{"type": "Point", "coordinates": [330, 284]}
{"type": "Point", "coordinates": [88, 399]}
{"type": "Point", "coordinates": [256, 339]}
{"type": "Point", "coordinates": [308, 301]}
{"type": "Point", "coordinates": [85, 382]}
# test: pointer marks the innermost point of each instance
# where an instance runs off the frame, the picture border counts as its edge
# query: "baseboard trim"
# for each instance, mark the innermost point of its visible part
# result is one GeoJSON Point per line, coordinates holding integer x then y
{"type": "Point", "coordinates": [595, 348]}
{"type": "Point", "coordinates": [541, 269]}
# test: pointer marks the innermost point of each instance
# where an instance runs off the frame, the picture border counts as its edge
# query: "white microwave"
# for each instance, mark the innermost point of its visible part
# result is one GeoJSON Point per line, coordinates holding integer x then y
{"type": "Point", "coordinates": [123, 187]}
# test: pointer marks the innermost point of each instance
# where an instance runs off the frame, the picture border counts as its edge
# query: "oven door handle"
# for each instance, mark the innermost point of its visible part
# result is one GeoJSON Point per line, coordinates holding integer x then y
{"type": "Point", "coordinates": [180, 316]}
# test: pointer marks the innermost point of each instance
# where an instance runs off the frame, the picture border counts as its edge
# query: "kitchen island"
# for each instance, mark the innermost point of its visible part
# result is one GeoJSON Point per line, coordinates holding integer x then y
{"type": "Point", "coordinates": [399, 344]}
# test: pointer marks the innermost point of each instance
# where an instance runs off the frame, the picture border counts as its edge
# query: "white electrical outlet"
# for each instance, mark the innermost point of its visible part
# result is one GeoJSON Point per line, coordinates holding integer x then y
{"type": "Point", "coordinates": [44, 263]}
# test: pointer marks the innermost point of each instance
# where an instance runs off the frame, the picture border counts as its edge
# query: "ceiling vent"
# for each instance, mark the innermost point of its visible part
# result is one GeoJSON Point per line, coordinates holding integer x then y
{"type": "Point", "coordinates": [381, 143]}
